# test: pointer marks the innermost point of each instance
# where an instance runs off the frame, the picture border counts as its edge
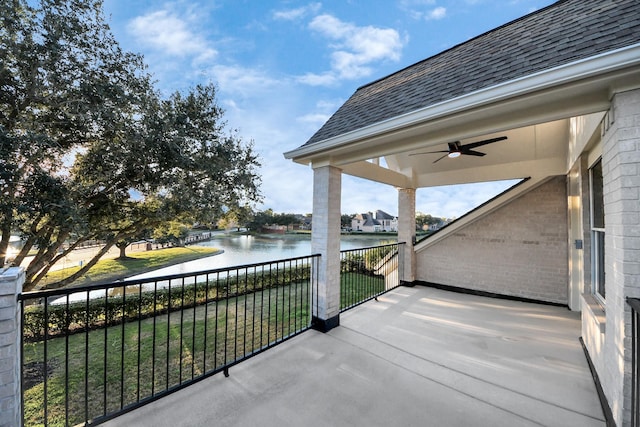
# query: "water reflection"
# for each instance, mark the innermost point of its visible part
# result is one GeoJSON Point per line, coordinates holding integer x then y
{"type": "Point", "coordinates": [238, 250]}
{"type": "Point", "coordinates": [248, 249]}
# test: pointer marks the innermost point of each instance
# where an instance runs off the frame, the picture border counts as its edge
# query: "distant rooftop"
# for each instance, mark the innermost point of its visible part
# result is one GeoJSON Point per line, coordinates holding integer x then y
{"type": "Point", "coordinates": [562, 33]}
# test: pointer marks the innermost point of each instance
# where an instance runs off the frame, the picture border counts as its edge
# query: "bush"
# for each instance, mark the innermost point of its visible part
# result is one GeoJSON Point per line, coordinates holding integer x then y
{"type": "Point", "coordinates": [131, 304]}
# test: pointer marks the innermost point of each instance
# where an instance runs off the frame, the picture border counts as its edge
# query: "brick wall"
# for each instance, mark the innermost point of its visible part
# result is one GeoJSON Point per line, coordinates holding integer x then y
{"type": "Point", "coordinates": [519, 250]}
{"type": "Point", "coordinates": [621, 176]}
{"type": "Point", "coordinates": [11, 281]}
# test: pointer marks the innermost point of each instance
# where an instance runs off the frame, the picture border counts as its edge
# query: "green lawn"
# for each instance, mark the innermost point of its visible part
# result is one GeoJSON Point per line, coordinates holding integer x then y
{"type": "Point", "coordinates": [357, 287]}
{"type": "Point", "coordinates": [109, 270]}
{"type": "Point", "coordinates": [100, 371]}
{"type": "Point", "coordinates": [117, 366]}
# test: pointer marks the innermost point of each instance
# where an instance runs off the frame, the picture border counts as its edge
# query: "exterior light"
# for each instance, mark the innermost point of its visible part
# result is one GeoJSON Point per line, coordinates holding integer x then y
{"type": "Point", "coordinates": [453, 154]}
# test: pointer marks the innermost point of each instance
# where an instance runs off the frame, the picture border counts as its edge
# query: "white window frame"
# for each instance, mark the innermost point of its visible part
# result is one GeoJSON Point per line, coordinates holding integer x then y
{"type": "Point", "coordinates": [598, 280]}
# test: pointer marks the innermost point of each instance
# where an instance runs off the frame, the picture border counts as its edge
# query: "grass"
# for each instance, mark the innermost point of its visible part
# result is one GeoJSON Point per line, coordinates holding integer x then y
{"type": "Point", "coordinates": [110, 270]}
{"type": "Point", "coordinates": [100, 371]}
{"type": "Point", "coordinates": [357, 287]}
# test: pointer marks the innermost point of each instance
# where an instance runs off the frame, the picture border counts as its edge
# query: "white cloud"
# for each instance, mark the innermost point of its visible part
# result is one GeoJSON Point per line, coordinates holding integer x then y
{"type": "Point", "coordinates": [360, 196]}
{"type": "Point", "coordinates": [298, 13]}
{"type": "Point", "coordinates": [437, 13]}
{"type": "Point", "coordinates": [355, 49]}
{"type": "Point", "coordinates": [165, 32]}
{"type": "Point", "coordinates": [419, 9]}
{"type": "Point", "coordinates": [242, 81]}
{"type": "Point", "coordinates": [264, 109]}
{"type": "Point", "coordinates": [452, 201]}
{"type": "Point", "coordinates": [456, 200]}
{"type": "Point", "coordinates": [313, 79]}
{"type": "Point", "coordinates": [317, 119]}
{"type": "Point", "coordinates": [329, 105]}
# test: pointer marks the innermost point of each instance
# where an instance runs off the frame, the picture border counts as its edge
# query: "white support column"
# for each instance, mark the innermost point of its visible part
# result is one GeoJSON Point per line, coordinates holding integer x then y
{"type": "Point", "coordinates": [11, 281]}
{"type": "Point", "coordinates": [325, 240]}
{"type": "Point", "coordinates": [407, 231]}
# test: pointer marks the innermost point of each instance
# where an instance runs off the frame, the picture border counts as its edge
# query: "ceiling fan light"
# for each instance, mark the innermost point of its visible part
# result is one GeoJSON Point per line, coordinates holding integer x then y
{"type": "Point", "coordinates": [453, 154]}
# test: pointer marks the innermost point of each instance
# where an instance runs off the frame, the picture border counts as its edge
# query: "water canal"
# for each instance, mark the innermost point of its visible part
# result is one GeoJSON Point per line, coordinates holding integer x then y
{"type": "Point", "coordinates": [249, 249]}
{"type": "Point", "coordinates": [239, 250]}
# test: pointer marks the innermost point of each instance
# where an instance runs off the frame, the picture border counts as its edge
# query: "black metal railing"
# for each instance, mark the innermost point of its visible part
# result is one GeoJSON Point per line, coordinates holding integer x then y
{"type": "Point", "coordinates": [635, 371]}
{"type": "Point", "coordinates": [368, 272]}
{"type": "Point", "coordinates": [94, 352]}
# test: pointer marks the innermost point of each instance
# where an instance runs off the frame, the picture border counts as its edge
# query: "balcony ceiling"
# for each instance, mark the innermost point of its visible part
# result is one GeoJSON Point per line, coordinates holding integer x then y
{"type": "Point", "coordinates": [528, 151]}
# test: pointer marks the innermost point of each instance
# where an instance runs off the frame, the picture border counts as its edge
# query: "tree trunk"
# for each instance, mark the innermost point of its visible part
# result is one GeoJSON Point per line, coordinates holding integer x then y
{"type": "Point", "coordinates": [26, 248]}
{"type": "Point", "coordinates": [44, 256]}
{"type": "Point", "coordinates": [78, 273]}
{"type": "Point", "coordinates": [123, 250]}
{"type": "Point", "coordinates": [31, 240]}
{"type": "Point", "coordinates": [4, 241]}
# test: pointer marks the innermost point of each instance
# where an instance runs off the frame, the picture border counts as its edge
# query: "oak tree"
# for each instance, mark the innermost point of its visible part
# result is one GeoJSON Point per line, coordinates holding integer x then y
{"type": "Point", "coordinates": [90, 150]}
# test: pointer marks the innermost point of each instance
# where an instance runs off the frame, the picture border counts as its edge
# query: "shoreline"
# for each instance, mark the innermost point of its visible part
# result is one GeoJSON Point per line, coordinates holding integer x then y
{"type": "Point", "coordinates": [93, 278]}
{"type": "Point", "coordinates": [112, 270]}
{"type": "Point", "coordinates": [122, 278]}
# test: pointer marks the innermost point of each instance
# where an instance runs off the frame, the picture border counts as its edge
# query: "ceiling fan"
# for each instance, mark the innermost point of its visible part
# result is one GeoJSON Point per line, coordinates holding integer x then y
{"type": "Point", "coordinates": [456, 149]}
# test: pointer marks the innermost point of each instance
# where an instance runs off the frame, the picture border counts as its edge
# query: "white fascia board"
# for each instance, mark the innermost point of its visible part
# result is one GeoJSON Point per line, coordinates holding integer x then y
{"type": "Point", "coordinates": [565, 74]}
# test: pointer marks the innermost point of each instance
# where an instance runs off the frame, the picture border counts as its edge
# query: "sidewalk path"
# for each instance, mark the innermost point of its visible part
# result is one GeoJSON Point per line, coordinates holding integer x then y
{"type": "Point", "coordinates": [82, 256]}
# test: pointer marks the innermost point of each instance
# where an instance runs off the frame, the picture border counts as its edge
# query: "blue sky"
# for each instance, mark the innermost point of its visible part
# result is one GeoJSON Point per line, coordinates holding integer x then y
{"type": "Point", "coordinates": [283, 67]}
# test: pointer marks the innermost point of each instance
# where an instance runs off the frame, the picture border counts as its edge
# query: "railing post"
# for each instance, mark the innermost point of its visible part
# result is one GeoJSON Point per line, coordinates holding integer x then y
{"type": "Point", "coordinates": [11, 281]}
{"type": "Point", "coordinates": [400, 267]}
{"type": "Point", "coordinates": [634, 368]}
{"type": "Point", "coordinates": [634, 303]}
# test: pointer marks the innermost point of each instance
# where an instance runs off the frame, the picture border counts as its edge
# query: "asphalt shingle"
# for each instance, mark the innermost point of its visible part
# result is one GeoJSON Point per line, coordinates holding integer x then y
{"type": "Point", "coordinates": [565, 32]}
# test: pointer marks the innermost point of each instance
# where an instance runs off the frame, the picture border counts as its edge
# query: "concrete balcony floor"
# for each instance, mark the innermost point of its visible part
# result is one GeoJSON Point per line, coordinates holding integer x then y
{"type": "Point", "coordinates": [417, 357]}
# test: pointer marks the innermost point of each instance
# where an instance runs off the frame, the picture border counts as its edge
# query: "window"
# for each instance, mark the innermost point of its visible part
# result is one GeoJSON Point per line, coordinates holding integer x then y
{"type": "Point", "coordinates": [597, 230]}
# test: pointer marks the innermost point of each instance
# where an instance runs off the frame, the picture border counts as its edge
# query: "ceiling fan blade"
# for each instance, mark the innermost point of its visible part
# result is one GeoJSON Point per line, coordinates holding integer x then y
{"type": "Point", "coordinates": [440, 158]}
{"type": "Point", "coordinates": [429, 152]}
{"type": "Point", "coordinates": [454, 146]}
{"type": "Point", "coordinates": [473, 153]}
{"type": "Point", "coordinates": [481, 143]}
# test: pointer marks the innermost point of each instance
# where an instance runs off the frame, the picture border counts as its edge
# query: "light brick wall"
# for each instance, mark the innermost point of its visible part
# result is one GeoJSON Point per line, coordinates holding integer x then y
{"type": "Point", "coordinates": [621, 176]}
{"type": "Point", "coordinates": [325, 239]}
{"type": "Point", "coordinates": [407, 231]}
{"type": "Point", "coordinates": [518, 250]}
{"type": "Point", "coordinates": [11, 281]}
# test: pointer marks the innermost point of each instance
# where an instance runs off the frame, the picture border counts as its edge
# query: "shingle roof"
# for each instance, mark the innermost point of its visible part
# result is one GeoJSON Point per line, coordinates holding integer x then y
{"type": "Point", "coordinates": [369, 220]}
{"type": "Point", "coordinates": [566, 31]}
{"type": "Point", "coordinates": [383, 215]}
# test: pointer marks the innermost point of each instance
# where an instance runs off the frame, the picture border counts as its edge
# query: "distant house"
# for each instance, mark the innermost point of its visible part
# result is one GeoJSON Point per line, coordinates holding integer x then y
{"type": "Point", "coordinates": [372, 223]}
{"type": "Point", "coordinates": [388, 222]}
{"type": "Point", "coordinates": [273, 229]}
{"type": "Point", "coordinates": [437, 225]}
{"type": "Point", "coordinates": [305, 222]}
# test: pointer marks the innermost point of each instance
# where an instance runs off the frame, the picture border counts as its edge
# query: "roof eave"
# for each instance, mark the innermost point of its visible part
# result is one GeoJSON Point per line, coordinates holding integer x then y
{"type": "Point", "coordinates": [562, 76]}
